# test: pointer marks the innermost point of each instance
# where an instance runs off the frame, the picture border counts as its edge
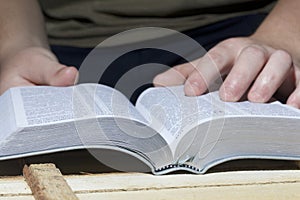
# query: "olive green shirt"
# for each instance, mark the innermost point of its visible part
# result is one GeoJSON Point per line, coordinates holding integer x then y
{"type": "Point", "coordinates": [85, 23]}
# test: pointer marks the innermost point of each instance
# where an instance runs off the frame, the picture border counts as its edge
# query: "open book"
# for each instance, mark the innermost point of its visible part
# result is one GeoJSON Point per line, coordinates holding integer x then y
{"type": "Point", "coordinates": [165, 130]}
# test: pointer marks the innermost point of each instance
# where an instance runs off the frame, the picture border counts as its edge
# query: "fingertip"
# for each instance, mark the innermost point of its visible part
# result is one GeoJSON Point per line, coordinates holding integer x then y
{"type": "Point", "coordinates": [294, 105]}
{"type": "Point", "coordinates": [226, 93]}
{"type": "Point", "coordinates": [292, 101]}
{"type": "Point", "coordinates": [256, 97]}
{"type": "Point", "coordinates": [76, 79]}
{"type": "Point", "coordinates": [224, 96]}
{"type": "Point", "coordinates": [66, 76]}
{"type": "Point", "coordinates": [159, 80]}
{"type": "Point", "coordinates": [193, 88]}
{"type": "Point", "coordinates": [71, 75]}
{"type": "Point", "coordinates": [168, 78]}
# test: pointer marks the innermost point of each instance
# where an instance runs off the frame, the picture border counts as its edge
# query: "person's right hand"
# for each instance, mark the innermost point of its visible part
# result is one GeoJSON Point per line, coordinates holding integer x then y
{"type": "Point", "coordinates": [34, 66]}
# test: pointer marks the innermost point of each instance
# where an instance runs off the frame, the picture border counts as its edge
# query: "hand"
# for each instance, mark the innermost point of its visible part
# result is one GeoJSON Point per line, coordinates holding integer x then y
{"type": "Point", "coordinates": [253, 68]}
{"type": "Point", "coordinates": [34, 66]}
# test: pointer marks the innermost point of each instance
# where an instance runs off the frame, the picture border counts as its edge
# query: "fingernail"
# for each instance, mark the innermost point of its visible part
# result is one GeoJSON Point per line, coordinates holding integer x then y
{"type": "Point", "coordinates": [293, 105]}
{"type": "Point", "coordinates": [256, 97]}
{"type": "Point", "coordinates": [76, 79]}
{"type": "Point", "coordinates": [192, 89]}
{"type": "Point", "coordinates": [226, 94]}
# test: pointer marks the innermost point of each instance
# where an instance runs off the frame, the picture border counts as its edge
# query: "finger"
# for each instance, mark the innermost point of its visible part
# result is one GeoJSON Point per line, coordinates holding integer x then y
{"type": "Point", "coordinates": [174, 76]}
{"type": "Point", "coordinates": [294, 98]}
{"type": "Point", "coordinates": [66, 76]}
{"type": "Point", "coordinates": [208, 69]}
{"type": "Point", "coordinates": [271, 78]}
{"type": "Point", "coordinates": [247, 66]}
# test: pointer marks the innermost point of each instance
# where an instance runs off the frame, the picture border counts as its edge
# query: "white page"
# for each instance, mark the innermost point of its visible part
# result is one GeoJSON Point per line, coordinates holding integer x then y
{"type": "Point", "coordinates": [7, 116]}
{"type": "Point", "coordinates": [45, 104]}
{"type": "Point", "coordinates": [172, 113]}
{"type": "Point", "coordinates": [264, 109]}
{"type": "Point", "coordinates": [18, 106]}
{"type": "Point", "coordinates": [108, 101]}
{"type": "Point", "coordinates": [42, 104]}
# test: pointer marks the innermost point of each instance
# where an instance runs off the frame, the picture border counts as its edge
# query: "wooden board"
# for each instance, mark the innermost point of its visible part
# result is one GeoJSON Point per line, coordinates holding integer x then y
{"type": "Point", "coordinates": [277, 184]}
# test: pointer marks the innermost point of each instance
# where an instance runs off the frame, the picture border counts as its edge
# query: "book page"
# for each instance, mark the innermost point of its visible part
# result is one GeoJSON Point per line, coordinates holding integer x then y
{"type": "Point", "coordinates": [263, 109]}
{"type": "Point", "coordinates": [44, 104]}
{"type": "Point", "coordinates": [7, 116]}
{"type": "Point", "coordinates": [110, 102]}
{"type": "Point", "coordinates": [171, 113]}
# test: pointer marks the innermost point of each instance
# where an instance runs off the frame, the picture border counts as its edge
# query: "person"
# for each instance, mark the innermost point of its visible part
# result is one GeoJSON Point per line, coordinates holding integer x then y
{"type": "Point", "coordinates": [261, 63]}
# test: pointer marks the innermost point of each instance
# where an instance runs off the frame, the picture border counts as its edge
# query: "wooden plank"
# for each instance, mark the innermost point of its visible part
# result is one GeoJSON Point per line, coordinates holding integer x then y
{"type": "Point", "coordinates": [15, 185]}
{"type": "Point", "coordinates": [18, 197]}
{"type": "Point", "coordinates": [245, 192]}
{"type": "Point", "coordinates": [14, 188]}
{"type": "Point", "coordinates": [227, 185]}
{"type": "Point", "coordinates": [111, 182]}
{"type": "Point", "coordinates": [46, 182]}
{"type": "Point", "coordinates": [273, 184]}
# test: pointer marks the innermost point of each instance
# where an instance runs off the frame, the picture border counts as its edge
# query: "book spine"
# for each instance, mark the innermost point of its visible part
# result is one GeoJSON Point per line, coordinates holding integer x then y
{"type": "Point", "coordinates": [175, 167]}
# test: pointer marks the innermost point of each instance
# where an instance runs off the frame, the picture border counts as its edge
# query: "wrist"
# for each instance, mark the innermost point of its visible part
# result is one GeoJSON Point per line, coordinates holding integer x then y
{"type": "Point", "coordinates": [280, 29]}
{"type": "Point", "coordinates": [281, 40]}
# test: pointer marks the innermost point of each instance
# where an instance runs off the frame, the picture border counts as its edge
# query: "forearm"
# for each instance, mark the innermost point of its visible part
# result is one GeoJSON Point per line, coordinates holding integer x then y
{"type": "Point", "coordinates": [21, 26]}
{"type": "Point", "coordinates": [281, 28]}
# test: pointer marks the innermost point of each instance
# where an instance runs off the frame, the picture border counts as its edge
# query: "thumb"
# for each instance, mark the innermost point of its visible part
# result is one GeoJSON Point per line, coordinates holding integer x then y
{"type": "Point", "coordinates": [62, 76]}
{"type": "Point", "coordinates": [50, 72]}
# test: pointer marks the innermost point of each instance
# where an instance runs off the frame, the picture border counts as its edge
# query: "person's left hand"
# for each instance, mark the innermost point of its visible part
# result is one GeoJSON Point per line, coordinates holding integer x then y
{"type": "Point", "coordinates": [252, 68]}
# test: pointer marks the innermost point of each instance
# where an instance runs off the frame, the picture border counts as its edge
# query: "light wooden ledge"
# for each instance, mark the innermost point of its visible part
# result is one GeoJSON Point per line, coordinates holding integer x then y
{"type": "Point", "coordinates": [277, 184]}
